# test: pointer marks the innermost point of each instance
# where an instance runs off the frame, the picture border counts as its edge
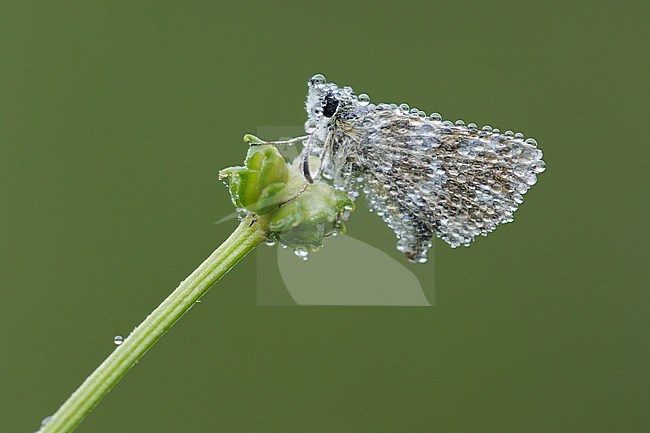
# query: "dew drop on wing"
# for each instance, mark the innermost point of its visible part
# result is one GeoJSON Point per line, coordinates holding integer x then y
{"type": "Point", "coordinates": [363, 99]}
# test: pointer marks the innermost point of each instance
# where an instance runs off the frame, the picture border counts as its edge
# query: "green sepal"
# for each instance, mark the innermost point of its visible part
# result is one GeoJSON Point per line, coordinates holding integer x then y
{"type": "Point", "coordinates": [230, 176]}
{"type": "Point", "coordinates": [270, 198]}
{"type": "Point", "coordinates": [311, 216]}
{"type": "Point", "coordinates": [260, 186]}
{"type": "Point", "coordinates": [287, 217]}
{"type": "Point", "coordinates": [273, 168]}
{"type": "Point", "coordinates": [304, 235]}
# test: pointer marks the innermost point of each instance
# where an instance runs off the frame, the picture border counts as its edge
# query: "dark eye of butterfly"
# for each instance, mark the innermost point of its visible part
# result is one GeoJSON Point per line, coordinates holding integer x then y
{"type": "Point", "coordinates": [330, 105]}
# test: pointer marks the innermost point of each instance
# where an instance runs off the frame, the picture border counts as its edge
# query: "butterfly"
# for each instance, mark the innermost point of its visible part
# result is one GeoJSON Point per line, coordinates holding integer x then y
{"type": "Point", "coordinates": [423, 175]}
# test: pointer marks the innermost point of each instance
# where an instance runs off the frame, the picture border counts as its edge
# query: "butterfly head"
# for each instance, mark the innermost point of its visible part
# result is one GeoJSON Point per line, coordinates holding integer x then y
{"type": "Point", "coordinates": [325, 101]}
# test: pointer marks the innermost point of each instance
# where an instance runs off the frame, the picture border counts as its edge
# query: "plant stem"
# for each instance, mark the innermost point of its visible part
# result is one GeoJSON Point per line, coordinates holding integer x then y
{"type": "Point", "coordinates": [252, 230]}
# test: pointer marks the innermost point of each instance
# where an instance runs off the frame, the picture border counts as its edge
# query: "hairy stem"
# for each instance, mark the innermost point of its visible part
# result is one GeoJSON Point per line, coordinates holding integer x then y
{"type": "Point", "coordinates": [251, 231]}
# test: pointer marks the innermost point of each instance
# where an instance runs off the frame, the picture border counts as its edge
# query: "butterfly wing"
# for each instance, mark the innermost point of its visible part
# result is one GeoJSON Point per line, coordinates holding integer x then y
{"type": "Point", "coordinates": [427, 177]}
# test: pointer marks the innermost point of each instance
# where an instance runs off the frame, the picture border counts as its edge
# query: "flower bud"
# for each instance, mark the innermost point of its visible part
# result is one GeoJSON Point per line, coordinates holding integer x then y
{"type": "Point", "coordinates": [299, 214]}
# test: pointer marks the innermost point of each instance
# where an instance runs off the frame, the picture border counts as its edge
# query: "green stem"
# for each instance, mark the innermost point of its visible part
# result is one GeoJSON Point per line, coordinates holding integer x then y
{"type": "Point", "coordinates": [251, 231]}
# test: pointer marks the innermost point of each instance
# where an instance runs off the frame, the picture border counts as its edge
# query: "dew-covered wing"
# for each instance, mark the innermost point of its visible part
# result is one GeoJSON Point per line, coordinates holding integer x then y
{"type": "Point", "coordinates": [428, 177]}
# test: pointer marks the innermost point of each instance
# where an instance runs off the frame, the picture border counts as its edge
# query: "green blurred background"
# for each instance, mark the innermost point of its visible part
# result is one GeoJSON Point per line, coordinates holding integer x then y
{"type": "Point", "coordinates": [116, 116]}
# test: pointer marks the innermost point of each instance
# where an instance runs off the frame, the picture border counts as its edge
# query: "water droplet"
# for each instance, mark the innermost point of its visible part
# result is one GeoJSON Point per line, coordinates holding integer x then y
{"type": "Point", "coordinates": [460, 123]}
{"type": "Point", "coordinates": [436, 117]}
{"type": "Point", "coordinates": [539, 166]}
{"type": "Point", "coordinates": [46, 420]}
{"type": "Point", "coordinates": [118, 340]}
{"type": "Point", "coordinates": [531, 141]}
{"type": "Point", "coordinates": [522, 188]}
{"type": "Point", "coordinates": [363, 99]}
{"type": "Point", "coordinates": [318, 79]}
{"type": "Point", "coordinates": [301, 252]}
{"type": "Point", "coordinates": [487, 128]}
{"type": "Point", "coordinates": [518, 198]}
{"type": "Point", "coordinates": [519, 171]}
{"type": "Point", "coordinates": [530, 179]}
{"type": "Point", "coordinates": [405, 107]}
{"type": "Point", "coordinates": [310, 126]}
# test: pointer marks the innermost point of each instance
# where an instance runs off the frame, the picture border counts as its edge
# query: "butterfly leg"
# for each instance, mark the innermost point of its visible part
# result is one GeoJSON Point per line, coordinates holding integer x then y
{"type": "Point", "coordinates": [306, 172]}
{"type": "Point", "coordinates": [305, 160]}
{"type": "Point", "coordinates": [255, 141]}
{"type": "Point", "coordinates": [326, 148]}
{"type": "Point", "coordinates": [327, 144]}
